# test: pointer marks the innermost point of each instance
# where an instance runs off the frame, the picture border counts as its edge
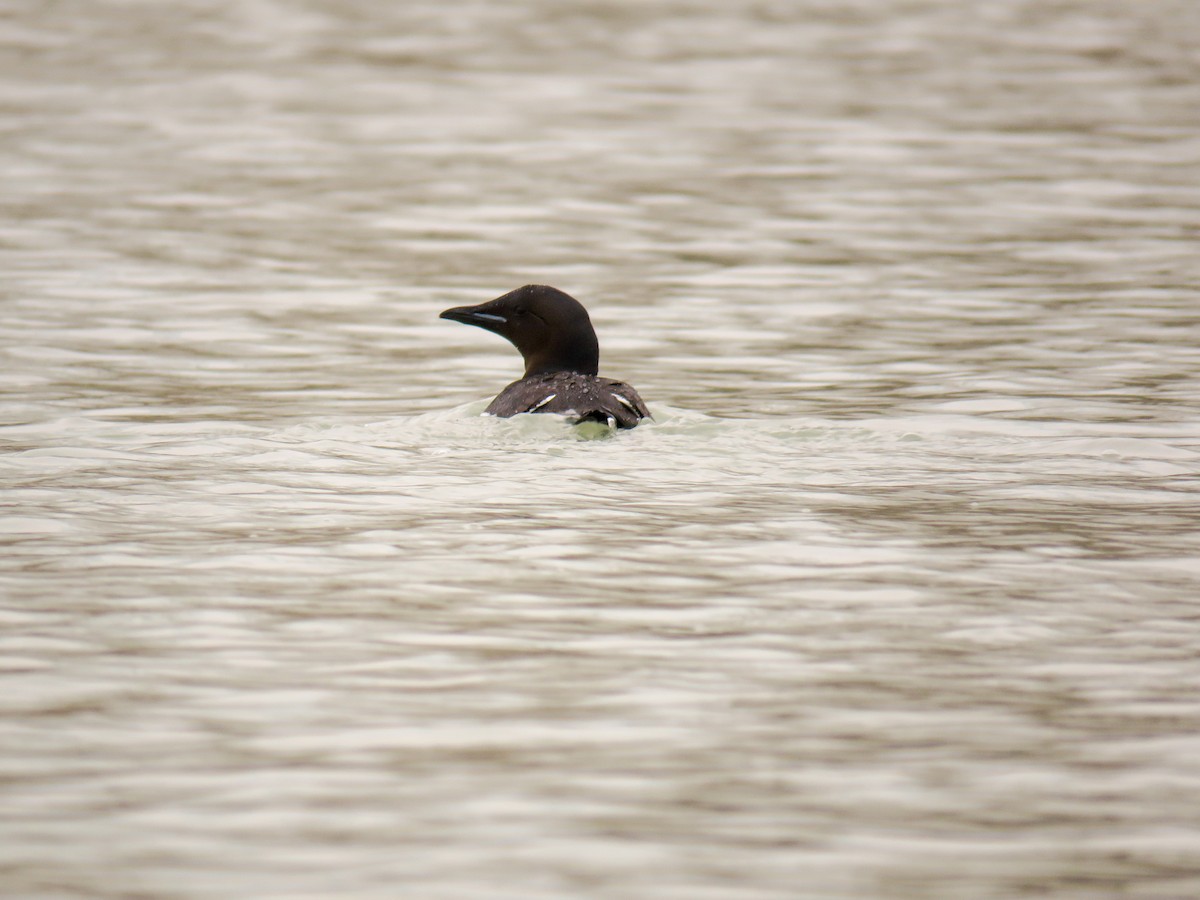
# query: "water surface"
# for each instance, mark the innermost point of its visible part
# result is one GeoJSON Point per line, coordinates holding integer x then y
{"type": "Point", "coordinates": [894, 599]}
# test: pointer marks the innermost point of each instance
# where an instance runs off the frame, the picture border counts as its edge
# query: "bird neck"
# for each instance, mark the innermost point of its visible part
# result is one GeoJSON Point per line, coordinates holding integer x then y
{"type": "Point", "coordinates": [580, 354]}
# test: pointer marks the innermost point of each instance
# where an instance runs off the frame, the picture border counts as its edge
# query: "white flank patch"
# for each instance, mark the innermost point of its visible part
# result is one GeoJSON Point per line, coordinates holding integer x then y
{"type": "Point", "coordinates": [542, 403]}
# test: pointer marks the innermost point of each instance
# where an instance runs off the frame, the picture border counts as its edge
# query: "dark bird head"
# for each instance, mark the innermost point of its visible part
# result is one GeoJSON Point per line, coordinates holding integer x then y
{"type": "Point", "coordinates": [551, 329]}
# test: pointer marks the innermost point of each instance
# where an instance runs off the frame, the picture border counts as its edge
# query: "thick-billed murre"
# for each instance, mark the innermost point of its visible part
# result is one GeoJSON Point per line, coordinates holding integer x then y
{"type": "Point", "coordinates": [555, 336]}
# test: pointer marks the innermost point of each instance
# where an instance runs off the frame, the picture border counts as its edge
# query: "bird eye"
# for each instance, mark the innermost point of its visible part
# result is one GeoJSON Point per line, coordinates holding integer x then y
{"type": "Point", "coordinates": [520, 311]}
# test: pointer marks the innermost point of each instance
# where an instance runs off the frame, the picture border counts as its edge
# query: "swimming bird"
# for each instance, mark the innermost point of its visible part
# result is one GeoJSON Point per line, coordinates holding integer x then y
{"type": "Point", "coordinates": [555, 336]}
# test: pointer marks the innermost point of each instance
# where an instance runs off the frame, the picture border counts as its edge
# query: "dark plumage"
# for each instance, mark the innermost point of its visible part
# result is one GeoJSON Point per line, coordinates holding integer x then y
{"type": "Point", "coordinates": [555, 336]}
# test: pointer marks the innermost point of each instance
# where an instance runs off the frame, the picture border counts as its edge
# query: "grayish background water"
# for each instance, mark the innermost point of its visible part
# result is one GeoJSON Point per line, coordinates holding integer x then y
{"type": "Point", "coordinates": [897, 598]}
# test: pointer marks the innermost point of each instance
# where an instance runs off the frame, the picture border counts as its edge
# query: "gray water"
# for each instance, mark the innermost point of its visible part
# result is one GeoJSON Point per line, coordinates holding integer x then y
{"type": "Point", "coordinates": [896, 598]}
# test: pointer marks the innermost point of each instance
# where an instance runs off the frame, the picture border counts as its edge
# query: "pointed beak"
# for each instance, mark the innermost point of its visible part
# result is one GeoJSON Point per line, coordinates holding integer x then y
{"type": "Point", "coordinates": [470, 315]}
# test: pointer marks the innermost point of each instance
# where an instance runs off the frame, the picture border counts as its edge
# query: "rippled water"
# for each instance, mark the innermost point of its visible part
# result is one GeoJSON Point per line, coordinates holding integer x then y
{"type": "Point", "coordinates": [896, 598]}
